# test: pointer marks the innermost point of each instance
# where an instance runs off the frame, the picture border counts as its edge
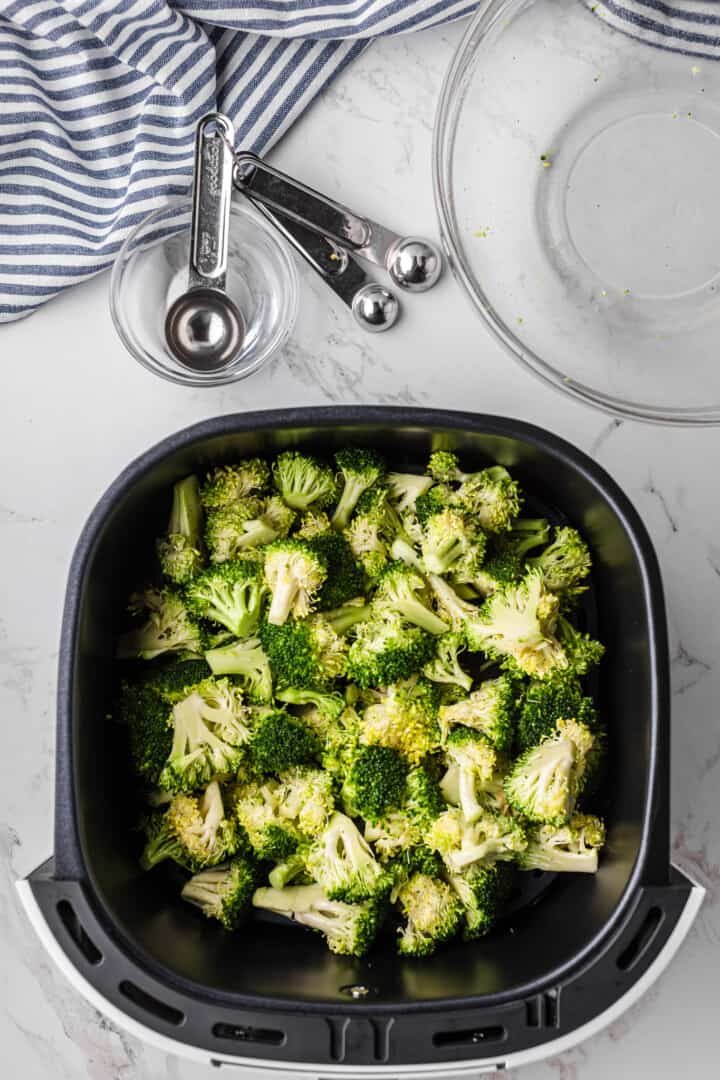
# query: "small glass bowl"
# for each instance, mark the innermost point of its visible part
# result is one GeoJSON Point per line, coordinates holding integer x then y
{"type": "Point", "coordinates": [151, 271]}
{"type": "Point", "coordinates": [575, 171]}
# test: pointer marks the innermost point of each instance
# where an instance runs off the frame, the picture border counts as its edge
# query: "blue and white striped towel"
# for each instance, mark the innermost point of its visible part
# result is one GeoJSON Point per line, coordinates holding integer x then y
{"type": "Point", "coordinates": [99, 100]}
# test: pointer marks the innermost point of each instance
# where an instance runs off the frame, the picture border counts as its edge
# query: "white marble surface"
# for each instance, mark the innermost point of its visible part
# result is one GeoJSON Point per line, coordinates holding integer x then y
{"type": "Point", "coordinates": [76, 409]}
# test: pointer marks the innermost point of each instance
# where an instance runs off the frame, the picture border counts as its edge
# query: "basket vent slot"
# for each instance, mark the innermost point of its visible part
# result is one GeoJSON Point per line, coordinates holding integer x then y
{"type": "Point", "coordinates": [470, 1036]}
{"type": "Point", "coordinates": [240, 1033]}
{"type": "Point", "coordinates": [642, 940]}
{"type": "Point", "coordinates": [150, 1004]}
{"type": "Point", "coordinates": [543, 1011]}
{"type": "Point", "coordinates": [71, 922]}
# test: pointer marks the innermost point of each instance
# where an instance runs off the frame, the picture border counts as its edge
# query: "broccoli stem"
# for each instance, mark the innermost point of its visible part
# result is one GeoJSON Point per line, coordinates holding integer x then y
{"type": "Point", "coordinates": [284, 593]}
{"type": "Point", "coordinates": [351, 492]}
{"type": "Point", "coordinates": [285, 872]}
{"type": "Point", "coordinates": [405, 552]}
{"type": "Point", "coordinates": [555, 859]}
{"type": "Point", "coordinates": [417, 613]}
{"type": "Point", "coordinates": [186, 512]}
{"type": "Point", "coordinates": [344, 618]}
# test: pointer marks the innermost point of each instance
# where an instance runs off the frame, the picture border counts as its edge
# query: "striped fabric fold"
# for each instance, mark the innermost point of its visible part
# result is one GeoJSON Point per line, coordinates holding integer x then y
{"type": "Point", "coordinates": [687, 26]}
{"type": "Point", "coordinates": [99, 100]}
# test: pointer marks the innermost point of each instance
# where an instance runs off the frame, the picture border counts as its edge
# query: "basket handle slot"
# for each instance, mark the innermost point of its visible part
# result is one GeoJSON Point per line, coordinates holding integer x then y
{"type": "Point", "coordinates": [76, 930]}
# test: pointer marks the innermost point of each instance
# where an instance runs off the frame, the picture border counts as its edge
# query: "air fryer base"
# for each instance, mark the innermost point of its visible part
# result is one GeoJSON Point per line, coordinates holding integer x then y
{"type": "Point", "coordinates": [591, 999]}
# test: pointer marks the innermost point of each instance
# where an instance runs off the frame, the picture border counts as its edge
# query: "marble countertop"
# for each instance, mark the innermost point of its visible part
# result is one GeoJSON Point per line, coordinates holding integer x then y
{"type": "Point", "coordinates": [76, 408]}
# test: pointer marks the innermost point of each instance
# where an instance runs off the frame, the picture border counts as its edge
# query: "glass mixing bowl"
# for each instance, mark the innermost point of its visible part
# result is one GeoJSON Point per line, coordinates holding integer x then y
{"type": "Point", "coordinates": [151, 271]}
{"type": "Point", "coordinates": [576, 171]}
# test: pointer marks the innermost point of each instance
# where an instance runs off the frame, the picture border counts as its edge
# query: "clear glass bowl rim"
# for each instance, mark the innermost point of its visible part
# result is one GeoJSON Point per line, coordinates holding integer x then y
{"type": "Point", "coordinates": [445, 128]}
{"type": "Point", "coordinates": [228, 375]}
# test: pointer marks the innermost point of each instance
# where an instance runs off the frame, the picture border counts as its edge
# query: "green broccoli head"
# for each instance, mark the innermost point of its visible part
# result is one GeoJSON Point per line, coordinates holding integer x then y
{"type": "Point", "coordinates": [445, 666]}
{"type": "Point", "coordinates": [472, 763]}
{"type": "Point", "coordinates": [401, 589]}
{"type": "Point", "coordinates": [167, 627]}
{"type": "Point", "coordinates": [360, 469]}
{"type": "Point", "coordinates": [375, 782]}
{"type": "Point", "coordinates": [491, 838]}
{"type": "Point", "coordinates": [280, 741]}
{"type": "Point", "coordinates": [180, 550]}
{"type": "Point", "coordinates": [209, 733]}
{"type": "Point", "coordinates": [303, 481]}
{"type": "Point", "coordinates": [432, 912]}
{"type": "Point", "coordinates": [237, 528]}
{"type": "Point", "coordinates": [207, 836]}
{"type": "Point", "coordinates": [295, 573]}
{"type": "Point", "coordinates": [307, 798]}
{"type": "Point", "coordinates": [483, 891]}
{"type": "Point", "coordinates": [565, 563]}
{"type": "Point", "coordinates": [423, 799]}
{"type": "Point", "coordinates": [544, 782]}
{"type": "Point", "coordinates": [161, 843]}
{"type": "Point", "coordinates": [146, 714]}
{"type": "Point", "coordinates": [432, 502]}
{"type": "Point", "coordinates": [444, 467]}
{"type": "Point", "coordinates": [404, 716]}
{"type": "Point", "coordinates": [247, 663]}
{"type": "Point", "coordinates": [227, 484]}
{"type": "Point", "coordinates": [343, 863]}
{"type": "Point", "coordinates": [393, 838]}
{"type": "Point", "coordinates": [328, 706]}
{"type": "Point", "coordinates": [490, 710]}
{"type": "Point", "coordinates": [312, 523]}
{"type": "Point", "coordinates": [230, 593]}
{"type": "Point", "coordinates": [572, 847]}
{"type": "Point", "coordinates": [364, 535]}
{"type": "Point", "coordinates": [223, 892]}
{"type": "Point", "coordinates": [386, 650]}
{"type": "Point", "coordinates": [582, 651]}
{"type": "Point", "coordinates": [344, 579]}
{"type": "Point", "coordinates": [451, 540]}
{"type": "Point", "coordinates": [305, 653]}
{"type": "Point", "coordinates": [343, 619]}
{"type": "Point", "coordinates": [259, 810]}
{"type": "Point", "coordinates": [548, 700]}
{"type": "Point", "coordinates": [493, 497]}
{"type": "Point", "coordinates": [405, 489]}
{"type": "Point", "coordinates": [348, 928]}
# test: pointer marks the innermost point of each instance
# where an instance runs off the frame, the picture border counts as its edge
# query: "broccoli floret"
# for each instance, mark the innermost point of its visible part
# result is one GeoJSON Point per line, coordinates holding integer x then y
{"type": "Point", "coordinates": [344, 579]}
{"type": "Point", "coordinates": [238, 527]}
{"type": "Point", "coordinates": [544, 782]}
{"type": "Point", "coordinates": [348, 929]}
{"type": "Point", "coordinates": [433, 914]}
{"type": "Point", "coordinates": [393, 837]}
{"type": "Point", "coordinates": [290, 870]}
{"type": "Point", "coordinates": [405, 488]}
{"type": "Point", "coordinates": [400, 589]}
{"type": "Point", "coordinates": [433, 501]}
{"type": "Point", "coordinates": [259, 809]}
{"type": "Point", "coordinates": [548, 700]}
{"type": "Point", "coordinates": [452, 541]}
{"type": "Point", "coordinates": [247, 662]}
{"type": "Point", "coordinates": [200, 824]}
{"type": "Point", "coordinates": [223, 892]}
{"type": "Point", "coordinates": [367, 544]}
{"type": "Point", "coordinates": [306, 653]}
{"type": "Point", "coordinates": [180, 550]}
{"type": "Point", "coordinates": [280, 741]}
{"type": "Point", "coordinates": [343, 619]}
{"type": "Point", "coordinates": [572, 847]}
{"type": "Point", "coordinates": [492, 838]}
{"type": "Point", "coordinates": [294, 573]}
{"type": "Point", "coordinates": [423, 800]}
{"type": "Point", "coordinates": [306, 798]}
{"type": "Point", "coordinates": [311, 524]}
{"type": "Point", "coordinates": [482, 891]}
{"type": "Point", "coordinates": [210, 730]}
{"type": "Point", "coordinates": [516, 625]}
{"type": "Point", "coordinates": [493, 497]}
{"type": "Point", "coordinates": [161, 843]}
{"type": "Point", "coordinates": [475, 760]}
{"type": "Point", "coordinates": [490, 710]}
{"type": "Point", "coordinates": [565, 563]}
{"type": "Point", "coordinates": [444, 467]}
{"type": "Point", "coordinates": [303, 481]}
{"type": "Point", "coordinates": [342, 862]}
{"type": "Point", "coordinates": [228, 483]}
{"type": "Point", "coordinates": [168, 627]}
{"type": "Point", "coordinates": [375, 782]}
{"type": "Point", "coordinates": [506, 562]}
{"type": "Point", "coordinates": [232, 594]}
{"type": "Point", "coordinates": [386, 650]}
{"type": "Point", "coordinates": [582, 651]}
{"type": "Point", "coordinates": [445, 666]}
{"type": "Point", "coordinates": [459, 612]}
{"type": "Point", "coordinates": [404, 717]}
{"type": "Point", "coordinates": [360, 469]}
{"type": "Point", "coordinates": [328, 705]}
{"type": "Point", "coordinates": [341, 740]}
{"type": "Point", "coordinates": [146, 714]}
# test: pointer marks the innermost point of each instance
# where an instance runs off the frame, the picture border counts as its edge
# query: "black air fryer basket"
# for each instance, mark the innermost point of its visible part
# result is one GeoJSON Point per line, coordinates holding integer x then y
{"type": "Point", "coordinates": [575, 952]}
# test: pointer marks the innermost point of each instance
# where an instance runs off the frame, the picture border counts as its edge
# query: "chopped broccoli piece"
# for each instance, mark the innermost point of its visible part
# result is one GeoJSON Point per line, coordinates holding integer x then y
{"type": "Point", "coordinates": [210, 730]}
{"type": "Point", "coordinates": [444, 467]}
{"type": "Point", "coordinates": [227, 484]}
{"type": "Point", "coordinates": [493, 497]}
{"type": "Point", "coordinates": [375, 782]}
{"type": "Point", "coordinates": [303, 481]}
{"type": "Point", "coordinates": [565, 563]}
{"type": "Point", "coordinates": [433, 914]}
{"type": "Point", "coordinates": [306, 798]}
{"type": "Point", "coordinates": [452, 541]}
{"type": "Point", "coordinates": [161, 843]}
{"type": "Point", "coordinates": [280, 741]}
{"type": "Point", "coordinates": [400, 589]}
{"type": "Point", "coordinates": [490, 710]}
{"type": "Point", "coordinates": [304, 653]}
{"type": "Point", "coordinates": [328, 705]}
{"type": "Point", "coordinates": [445, 666]}
{"type": "Point", "coordinates": [312, 523]}
{"type": "Point", "coordinates": [364, 535]}
{"type": "Point", "coordinates": [168, 627]}
{"type": "Point", "coordinates": [572, 847]}
{"type": "Point", "coordinates": [433, 501]}
{"type": "Point", "coordinates": [544, 782]}
{"type": "Point", "coordinates": [142, 708]}
{"type": "Point", "coordinates": [348, 929]}
{"type": "Point", "coordinates": [492, 838]}
{"type": "Point", "coordinates": [200, 824]}
{"type": "Point", "coordinates": [482, 891]}
{"type": "Point", "coordinates": [295, 573]}
{"type": "Point", "coordinates": [475, 760]}
{"type": "Point", "coordinates": [231, 593]}
{"type": "Point", "coordinates": [424, 801]}
{"type": "Point", "coordinates": [238, 527]}
{"type": "Point", "coordinates": [360, 469]}
{"type": "Point", "coordinates": [393, 837]}
{"type": "Point", "coordinates": [548, 700]}
{"type": "Point", "coordinates": [247, 662]}
{"type": "Point", "coordinates": [404, 717]}
{"type": "Point", "coordinates": [582, 651]}
{"type": "Point", "coordinates": [342, 862]}
{"type": "Point", "coordinates": [180, 550]}
{"type": "Point", "coordinates": [344, 579]}
{"type": "Point", "coordinates": [386, 650]}
{"type": "Point", "coordinates": [405, 488]}
{"type": "Point", "coordinates": [291, 869]}
{"type": "Point", "coordinates": [223, 892]}
{"type": "Point", "coordinates": [343, 619]}
{"type": "Point", "coordinates": [258, 808]}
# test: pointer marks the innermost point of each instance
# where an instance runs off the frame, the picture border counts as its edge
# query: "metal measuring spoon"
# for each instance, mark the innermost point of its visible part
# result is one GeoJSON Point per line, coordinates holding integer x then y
{"type": "Point", "coordinates": [204, 329]}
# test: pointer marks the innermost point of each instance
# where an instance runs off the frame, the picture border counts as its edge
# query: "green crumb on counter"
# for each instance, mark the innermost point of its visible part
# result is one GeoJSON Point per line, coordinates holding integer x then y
{"type": "Point", "coordinates": [482, 234]}
{"type": "Point", "coordinates": [626, 292]}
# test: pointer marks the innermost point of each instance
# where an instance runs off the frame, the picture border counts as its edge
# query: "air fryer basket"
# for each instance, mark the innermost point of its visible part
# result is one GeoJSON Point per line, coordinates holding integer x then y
{"type": "Point", "coordinates": [273, 993]}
